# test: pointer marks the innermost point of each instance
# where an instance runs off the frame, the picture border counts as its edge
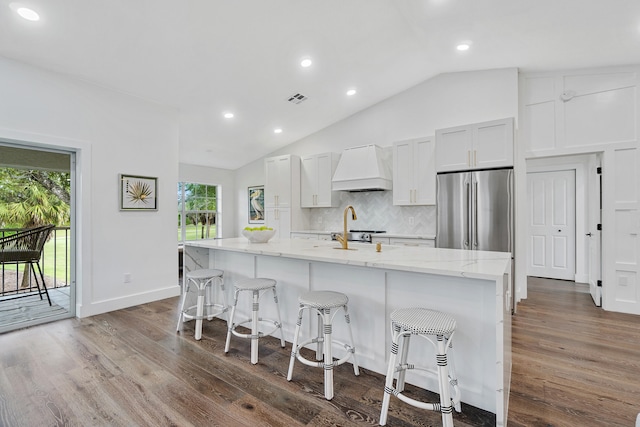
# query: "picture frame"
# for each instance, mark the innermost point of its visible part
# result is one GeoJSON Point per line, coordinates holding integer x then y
{"type": "Point", "coordinates": [138, 193]}
{"type": "Point", "coordinates": [255, 198]}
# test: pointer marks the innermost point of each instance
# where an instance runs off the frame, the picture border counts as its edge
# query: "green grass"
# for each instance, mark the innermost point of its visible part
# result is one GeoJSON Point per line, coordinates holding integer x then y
{"type": "Point", "coordinates": [56, 257]}
{"type": "Point", "coordinates": [193, 232]}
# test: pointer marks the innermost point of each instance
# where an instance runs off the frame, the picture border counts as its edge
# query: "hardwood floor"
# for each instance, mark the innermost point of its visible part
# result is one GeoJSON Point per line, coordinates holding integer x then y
{"type": "Point", "coordinates": [574, 365]}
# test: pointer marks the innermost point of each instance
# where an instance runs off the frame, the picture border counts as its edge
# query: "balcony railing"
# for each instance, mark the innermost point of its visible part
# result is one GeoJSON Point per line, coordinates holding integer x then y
{"type": "Point", "coordinates": [55, 264]}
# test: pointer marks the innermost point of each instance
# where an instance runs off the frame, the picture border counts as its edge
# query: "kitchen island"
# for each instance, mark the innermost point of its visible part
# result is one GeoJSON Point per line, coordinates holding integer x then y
{"type": "Point", "coordinates": [472, 286]}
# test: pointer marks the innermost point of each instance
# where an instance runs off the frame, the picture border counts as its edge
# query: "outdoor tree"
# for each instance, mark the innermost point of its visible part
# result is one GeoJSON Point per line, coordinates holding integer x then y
{"type": "Point", "coordinates": [30, 198]}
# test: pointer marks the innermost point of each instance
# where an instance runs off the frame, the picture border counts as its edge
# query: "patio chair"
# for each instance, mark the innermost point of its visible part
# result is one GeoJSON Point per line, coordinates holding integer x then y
{"type": "Point", "coordinates": [25, 247]}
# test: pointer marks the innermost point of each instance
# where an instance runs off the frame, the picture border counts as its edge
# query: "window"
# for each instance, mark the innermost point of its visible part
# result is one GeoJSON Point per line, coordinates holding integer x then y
{"type": "Point", "coordinates": [198, 211]}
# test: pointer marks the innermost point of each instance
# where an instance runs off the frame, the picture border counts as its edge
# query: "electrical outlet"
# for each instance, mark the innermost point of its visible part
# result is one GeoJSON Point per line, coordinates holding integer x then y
{"type": "Point", "coordinates": [410, 220]}
{"type": "Point", "coordinates": [127, 277]}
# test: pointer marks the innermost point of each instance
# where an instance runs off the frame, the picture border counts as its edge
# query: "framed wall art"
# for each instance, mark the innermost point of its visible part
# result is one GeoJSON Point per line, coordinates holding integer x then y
{"type": "Point", "coordinates": [256, 204]}
{"type": "Point", "coordinates": [138, 193]}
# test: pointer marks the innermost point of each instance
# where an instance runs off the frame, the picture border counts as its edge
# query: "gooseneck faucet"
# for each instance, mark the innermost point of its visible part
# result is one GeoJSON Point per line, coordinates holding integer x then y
{"type": "Point", "coordinates": [343, 239]}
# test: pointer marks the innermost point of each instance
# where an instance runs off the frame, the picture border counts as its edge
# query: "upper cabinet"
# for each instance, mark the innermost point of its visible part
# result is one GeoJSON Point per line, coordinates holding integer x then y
{"type": "Point", "coordinates": [282, 194]}
{"type": "Point", "coordinates": [315, 181]}
{"type": "Point", "coordinates": [475, 146]}
{"type": "Point", "coordinates": [279, 173]}
{"type": "Point", "coordinates": [414, 174]}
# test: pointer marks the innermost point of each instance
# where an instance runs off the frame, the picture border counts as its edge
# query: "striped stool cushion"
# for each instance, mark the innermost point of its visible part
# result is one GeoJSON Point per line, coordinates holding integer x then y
{"type": "Point", "coordinates": [204, 273]}
{"type": "Point", "coordinates": [323, 299]}
{"type": "Point", "coordinates": [256, 284]}
{"type": "Point", "coordinates": [424, 321]}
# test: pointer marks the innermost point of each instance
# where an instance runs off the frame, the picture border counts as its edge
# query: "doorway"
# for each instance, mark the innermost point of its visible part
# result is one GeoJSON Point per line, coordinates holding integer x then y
{"type": "Point", "coordinates": [564, 191]}
{"type": "Point", "coordinates": [37, 187]}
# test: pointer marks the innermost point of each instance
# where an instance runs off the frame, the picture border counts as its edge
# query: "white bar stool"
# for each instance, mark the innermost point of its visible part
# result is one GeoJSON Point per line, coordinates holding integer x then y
{"type": "Point", "coordinates": [323, 302]}
{"type": "Point", "coordinates": [203, 280]}
{"type": "Point", "coordinates": [423, 323]}
{"type": "Point", "coordinates": [255, 286]}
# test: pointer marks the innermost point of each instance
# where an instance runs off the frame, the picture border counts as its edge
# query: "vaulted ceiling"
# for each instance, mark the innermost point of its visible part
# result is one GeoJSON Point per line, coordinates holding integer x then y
{"type": "Point", "coordinates": [210, 57]}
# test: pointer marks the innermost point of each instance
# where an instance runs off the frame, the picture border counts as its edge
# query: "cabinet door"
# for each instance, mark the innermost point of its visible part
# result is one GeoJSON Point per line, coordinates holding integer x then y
{"type": "Point", "coordinates": [325, 168]}
{"type": "Point", "coordinates": [424, 172]}
{"type": "Point", "coordinates": [280, 220]}
{"type": "Point", "coordinates": [277, 189]}
{"type": "Point", "coordinates": [402, 173]}
{"type": "Point", "coordinates": [493, 144]}
{"type": "Point", "coordinates": [453, 148]}
{"type": "Point", "coordinates": [308, 181]}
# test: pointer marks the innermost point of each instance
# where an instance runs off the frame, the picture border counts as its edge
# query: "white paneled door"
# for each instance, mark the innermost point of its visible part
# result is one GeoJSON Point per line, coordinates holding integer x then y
{"type": "Point", "coordinates": [552, 230]}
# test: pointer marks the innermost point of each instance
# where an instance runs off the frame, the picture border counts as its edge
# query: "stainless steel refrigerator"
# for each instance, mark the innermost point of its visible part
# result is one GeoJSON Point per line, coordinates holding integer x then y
{"type": "Point", "coordinates": [475, 210]}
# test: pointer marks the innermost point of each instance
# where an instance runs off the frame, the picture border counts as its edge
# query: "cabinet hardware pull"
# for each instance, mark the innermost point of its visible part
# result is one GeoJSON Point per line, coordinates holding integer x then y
{"type": "Point", "coordinates": [468, 157]}
{"type": "Point", "coordinates": [475, 158]}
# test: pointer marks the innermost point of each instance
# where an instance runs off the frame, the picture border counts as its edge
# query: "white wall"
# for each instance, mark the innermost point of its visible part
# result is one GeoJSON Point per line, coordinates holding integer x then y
{"type": "Point", "coordinates": [112, 133]}
{"type": "Point", "coordinates": [446, 100]}
{"type": "Point", "coordinates": [225, 179]}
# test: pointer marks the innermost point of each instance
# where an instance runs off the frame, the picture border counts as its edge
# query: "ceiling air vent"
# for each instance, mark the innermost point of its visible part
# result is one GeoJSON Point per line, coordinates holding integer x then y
{"type": "Point", "coordinates": [297, 98]}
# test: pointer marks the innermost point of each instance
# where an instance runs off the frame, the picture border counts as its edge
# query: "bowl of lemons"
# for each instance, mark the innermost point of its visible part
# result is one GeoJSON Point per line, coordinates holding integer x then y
{"type": "Point", "coordinates": [258, 234]}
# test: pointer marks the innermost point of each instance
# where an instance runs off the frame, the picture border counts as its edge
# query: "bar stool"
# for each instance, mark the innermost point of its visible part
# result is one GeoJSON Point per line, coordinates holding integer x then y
{"type": "Point", "coordinates": [425, 324]}
{"type": "Point", "coordinates": [203, 280]}
{"type": "Point", "coordinates": [323, 302]}
{"type": "Point", "coordinates": [255, 286]}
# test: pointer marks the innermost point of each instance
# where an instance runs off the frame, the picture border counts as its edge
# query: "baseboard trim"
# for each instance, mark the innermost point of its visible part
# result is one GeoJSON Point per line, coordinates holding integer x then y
{"type": "Point", "coordinates": [126, 301]}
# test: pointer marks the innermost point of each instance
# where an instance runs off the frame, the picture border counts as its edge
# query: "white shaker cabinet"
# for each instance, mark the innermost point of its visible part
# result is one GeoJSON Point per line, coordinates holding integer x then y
{"type": "Point", "coordinates": [278, 187]}
{"type": "Point", "coordinates": [280, 220]}
{"type": "Point", "coordinates": [414, 173]}
{"type": "Point", "coordinates": [315, 181]}
{"type": "Point", "coordinates": [282, 194]}
{"type": "Point", "coordinates": [475, 146]}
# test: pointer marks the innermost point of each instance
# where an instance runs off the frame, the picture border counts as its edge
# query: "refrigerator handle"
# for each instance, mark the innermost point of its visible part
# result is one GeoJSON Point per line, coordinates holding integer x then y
{"type": "Point", "coordinates": [510, 230]}
{"type": "Point", "coordinates": [468, 219]}
{"type": "Point", "coordinates": [475, 215]}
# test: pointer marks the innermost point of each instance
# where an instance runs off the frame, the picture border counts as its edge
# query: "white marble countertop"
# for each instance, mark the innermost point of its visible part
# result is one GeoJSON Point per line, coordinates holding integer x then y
{"type": "Point", "coordinates": [449, 262]}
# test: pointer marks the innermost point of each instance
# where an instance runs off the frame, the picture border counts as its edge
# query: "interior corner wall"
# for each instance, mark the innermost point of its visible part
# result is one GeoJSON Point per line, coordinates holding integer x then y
{"type": "Point", "coordinates": [111, 133]}
{"type": "Point", "coordinates": [225, 179]}
{"type": "Point", "coordinates": [443, 101]}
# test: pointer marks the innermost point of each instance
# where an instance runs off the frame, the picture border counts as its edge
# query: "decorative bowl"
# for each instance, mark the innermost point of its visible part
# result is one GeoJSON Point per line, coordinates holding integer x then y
{"type": "Point", "coordinates": [258, 236]}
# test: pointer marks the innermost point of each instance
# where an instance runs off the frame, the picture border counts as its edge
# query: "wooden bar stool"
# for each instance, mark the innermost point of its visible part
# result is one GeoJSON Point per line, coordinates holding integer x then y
{"type": "Point", "coordinates": [205, 306]}
{"type": "Point", "coordinates": [425, 324]}
{"type": "Point", "coordinates": [323, 302]}
{"type": "Point", "coordinates": [255, 286]}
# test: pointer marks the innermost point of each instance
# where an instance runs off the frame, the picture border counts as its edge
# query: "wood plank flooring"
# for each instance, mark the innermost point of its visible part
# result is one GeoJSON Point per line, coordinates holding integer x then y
{"type": "Point", "coordinates": [574, 365]}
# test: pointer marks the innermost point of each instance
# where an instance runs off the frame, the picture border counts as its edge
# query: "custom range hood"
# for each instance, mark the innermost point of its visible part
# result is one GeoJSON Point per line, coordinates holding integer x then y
{"type": "Point", "coordinates": [364, 168]}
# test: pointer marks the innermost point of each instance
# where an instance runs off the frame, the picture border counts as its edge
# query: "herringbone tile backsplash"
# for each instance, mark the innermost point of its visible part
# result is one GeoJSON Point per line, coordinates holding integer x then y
{"type": "Point", "coordinates": [375, 211]}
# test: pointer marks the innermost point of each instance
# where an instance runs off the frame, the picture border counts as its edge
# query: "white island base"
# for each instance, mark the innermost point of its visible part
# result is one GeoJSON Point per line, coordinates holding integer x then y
{"type": "Point", "coordinates": [474, 287]}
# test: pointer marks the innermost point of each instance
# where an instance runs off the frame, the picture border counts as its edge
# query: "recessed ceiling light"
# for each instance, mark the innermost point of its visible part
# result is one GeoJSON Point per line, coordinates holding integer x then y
{"type": "Point", "coordinates": [28, 14]}
{"type": "Point", "coordinates": [277, 130]}
{"type": "Point", "coordinates": [351, 92]}
{"type": "Point", "coordinates": [463, 46]}
{"type": "Point", "coordinates": [228, 115]}
{"type": "Point", "coordinates": [306, 62]}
